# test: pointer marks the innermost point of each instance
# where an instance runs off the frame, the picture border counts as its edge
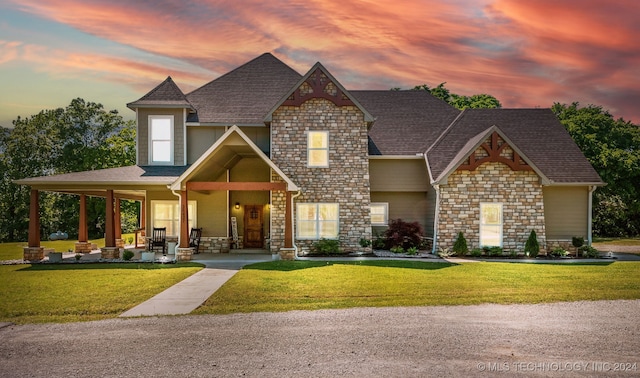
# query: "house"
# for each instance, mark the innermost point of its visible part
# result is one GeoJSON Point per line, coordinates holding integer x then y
{"type": "Point", "coordinates": [263, 157]}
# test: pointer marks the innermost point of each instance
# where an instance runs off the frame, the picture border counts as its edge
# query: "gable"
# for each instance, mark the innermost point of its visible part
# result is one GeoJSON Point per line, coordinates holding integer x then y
{"type": "Point", "coordinates": [318, 83]}
{"type": "Point", "coordinates": [495, 149]}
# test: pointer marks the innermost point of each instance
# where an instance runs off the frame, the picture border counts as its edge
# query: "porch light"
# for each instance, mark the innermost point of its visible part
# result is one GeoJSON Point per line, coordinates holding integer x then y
{"type": "Point", "coordinates": [237, 205]}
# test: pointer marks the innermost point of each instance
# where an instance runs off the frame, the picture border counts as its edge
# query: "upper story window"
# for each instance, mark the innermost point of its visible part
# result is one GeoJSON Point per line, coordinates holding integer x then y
{"type": "Point", "coordinates": [318, 149]}
{"type": "Point", "coordinates": [161, 139]}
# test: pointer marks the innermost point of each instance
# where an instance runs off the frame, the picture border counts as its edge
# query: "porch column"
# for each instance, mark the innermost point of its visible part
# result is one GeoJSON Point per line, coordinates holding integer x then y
{"type": "Point", "coordinates": [34, 220]}
{"type": "Point", "coordinates": [117, 225]}
{"type": "Point", "coordinates": [83, 245]}
{"type": "Point", "coordinates": [34, 251]}
{"type": "Point", "coordinates": [288, 222]}
{"type": "Point", "coordinates": [110, 236]}
{"type": "Point", "coordinates": [143, 214]}
{"type": "Point", "coordinates": [184, 252]}
{"type": "Point", "coordinates": [184, 219]}
{"type": "Point", "coordinates": [110, 251]}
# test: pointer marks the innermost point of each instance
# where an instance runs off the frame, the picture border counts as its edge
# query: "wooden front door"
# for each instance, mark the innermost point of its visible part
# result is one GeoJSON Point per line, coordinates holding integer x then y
{"type": "Point", "coordinates": [253, 233]}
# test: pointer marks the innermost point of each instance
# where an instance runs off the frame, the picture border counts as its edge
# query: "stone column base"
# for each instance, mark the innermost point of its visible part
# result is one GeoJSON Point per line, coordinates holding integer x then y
{"type": "Point", "coordinates": [33, 253]}
{"type": "Point", "coordinates": [83, 247]}
{"type": "Point", "coordinates": [110, 253]}
{"type": "Point", "coordinates": [184, 254]}
{"type": "Point", "coordinates": [287, 253]}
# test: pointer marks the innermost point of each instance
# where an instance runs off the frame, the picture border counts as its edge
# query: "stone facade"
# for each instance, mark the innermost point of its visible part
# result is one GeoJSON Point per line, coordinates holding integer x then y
{"type": "Point", "coordinates": [345, 181]}
{"type": "Point", "coordinates": [520, 193]}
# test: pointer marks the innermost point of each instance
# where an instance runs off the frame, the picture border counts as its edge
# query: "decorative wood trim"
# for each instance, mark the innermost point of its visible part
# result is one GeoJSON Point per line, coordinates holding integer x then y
{"type": "Point", "coordinates": [110, 235]}
{"type": "Point", "coordinates": [494, 151]}
{"type": "Point", "coordinates": [34, 220]}
{"type": "Point", "coordinates": [184, 219]}
{"type": "Point", "coordinates": [318, 84]}
{"type": "Point", "coordinates": [83, 233]}
{"type": "Point", "coordinates": [263, 186]}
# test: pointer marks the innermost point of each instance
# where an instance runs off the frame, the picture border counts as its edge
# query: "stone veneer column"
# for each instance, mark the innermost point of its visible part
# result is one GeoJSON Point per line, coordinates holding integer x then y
{"type": "Point", "coordinates": [520, 193]}
{"type": "Point", "coordinates": [345, 181]}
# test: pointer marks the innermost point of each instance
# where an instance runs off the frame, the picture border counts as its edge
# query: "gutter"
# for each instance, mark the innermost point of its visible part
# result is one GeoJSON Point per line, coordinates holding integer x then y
{"type": "Point", "coordinates": [293, 229]}
{"type": "Point", "coordinates": [592, 189]}
{"type": "Point", "coordinates": [179, 222]}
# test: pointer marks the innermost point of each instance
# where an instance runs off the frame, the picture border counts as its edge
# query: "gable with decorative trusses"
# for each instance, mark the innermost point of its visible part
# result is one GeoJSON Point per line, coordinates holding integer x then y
{"type": "Point", "coordinates": [495, 149]}
{"type": "Point", "coordinates": [319, 83]}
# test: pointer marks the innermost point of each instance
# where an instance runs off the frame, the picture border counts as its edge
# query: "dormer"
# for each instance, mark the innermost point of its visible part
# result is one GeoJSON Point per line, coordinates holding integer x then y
{"type": "Point", "coordinates": [161, 118]}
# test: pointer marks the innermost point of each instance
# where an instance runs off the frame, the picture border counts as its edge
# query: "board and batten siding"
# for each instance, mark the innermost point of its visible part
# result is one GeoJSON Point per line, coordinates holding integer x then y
{"type": "Point", "coordinates": [142, 134]}
{"type": "Point", "coordinates": [566, 211]}
{"type": "Point", "coordinates": [200, 138]}
{"type": "Point", "coordinates": [398, 175]}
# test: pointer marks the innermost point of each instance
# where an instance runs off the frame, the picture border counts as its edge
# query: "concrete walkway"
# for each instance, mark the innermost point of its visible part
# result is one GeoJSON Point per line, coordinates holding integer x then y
{"type": "Point", "coordinates": [187, 295]}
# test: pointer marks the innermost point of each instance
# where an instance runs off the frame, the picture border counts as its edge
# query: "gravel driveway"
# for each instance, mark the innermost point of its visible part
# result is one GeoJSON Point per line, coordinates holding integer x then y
{"type": "Point", "coordinates": [561, 339]}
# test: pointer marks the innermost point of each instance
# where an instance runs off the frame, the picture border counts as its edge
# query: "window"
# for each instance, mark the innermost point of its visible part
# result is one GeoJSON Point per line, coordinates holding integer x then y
{"type": "Point", "coordinates": [491, 224]}
{"type": "Point", "coordinates": [379, 213]}
{"type": "Point", "coordinates": [318, 149]}
{"type": "Point", "coordinates": [167, 214]}
{"type": "Point", "coordinates": [317, 220]}
{"type": "Point", "coordinates": [161, 140]}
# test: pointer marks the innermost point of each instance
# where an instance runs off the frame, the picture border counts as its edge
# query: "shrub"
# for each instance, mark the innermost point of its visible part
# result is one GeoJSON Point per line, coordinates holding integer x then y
{"type": "Point", "coordinates": [412, 251]}
{"type": "Point", "coordinates": [495, 251]}
{"type": "Point", "coordinates": [577, 241]}
{"type": "Point", "coordinates": [445, 252]}
{"type": "Point", "coordinates": [127, 255]}
{"type": "Point", "coordinates": [589, 252]}
{"type": "Point", "coordinates": [531, 247]}
{"type": "Point", "coordinates": [460, 246]}
{"type": "Point", "coordinates": [559, 252]}
{"type": "Point", "coordinates": [513, 254]}
{"type": "Point", "coordinates": [378, 241]}
{"type": "Point", "coordinates": [397, 249]}
{"type": "Point", "coordinates": [476, 252]}
{"type": "Point", "coordinates": [404, 234]}
{"type": "Point", "coordinates": [326, 247]}
{"type": "Point", "coordinates": [364, 243]}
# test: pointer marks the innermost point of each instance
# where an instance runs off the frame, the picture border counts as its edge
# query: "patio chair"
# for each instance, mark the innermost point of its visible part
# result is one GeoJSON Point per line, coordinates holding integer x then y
{"type": "Point", "coordinates": [194, 239]}
{"type": "Point", "coordinates": [158, 240]}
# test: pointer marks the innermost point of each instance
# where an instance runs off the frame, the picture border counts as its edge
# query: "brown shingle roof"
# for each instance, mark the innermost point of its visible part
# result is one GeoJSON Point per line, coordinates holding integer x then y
{"type": "Point", "coordinates": [166, 94]}
{"type": "Point", "coordinates": [245, 95]}
{"type": "Point", "coordinates": [537, 133]}
{"type": "Point", "coordinates": [131, 175]}
{"type": "Point", "coordinates": [406, 122]}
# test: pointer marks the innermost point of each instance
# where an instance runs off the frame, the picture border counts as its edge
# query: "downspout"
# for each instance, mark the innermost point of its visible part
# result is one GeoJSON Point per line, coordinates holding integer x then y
{"type": "Point", "coordinates": [293, 228]}
{"type": "Point", "coordinates": [179, 220]}
{"type": "Point", "coordinates": [592, 189]}
{"type": "Point", "coordinates": [436, 218]}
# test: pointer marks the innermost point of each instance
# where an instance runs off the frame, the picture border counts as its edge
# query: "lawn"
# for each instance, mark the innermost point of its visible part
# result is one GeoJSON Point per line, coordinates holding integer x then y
{"type": "Point", "coordinates": [617, 241]}
{"type": "Point", "coordinates": [303, 285]}
{"type": "Point", "coordinates": [13, 251]}
{"type": "Point", "coordinates": [80, 292]}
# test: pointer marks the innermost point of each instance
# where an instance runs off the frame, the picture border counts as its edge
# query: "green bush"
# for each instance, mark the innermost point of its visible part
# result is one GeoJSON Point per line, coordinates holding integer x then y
{"type": "Point", "coordinates": [445, 252]}
{"type": "Point", "coordinates": [397, 249]}
{"type": "Point", "coordinates": [531, 247]}
{"type": "Point", "coordinates": [412, 251]}
{"type": "Point", "coordinates": [513, 254]}
{"type": "Point", "coordinates": [476, 252]}
{"type": "Point", "coordinates": [577, 241]}
{"type": "Point", "coordinates": [589, 252]}
{"type": "Point", "coordinates": [327, 247]}
{"type": "Point", "coordinates": [127, 255]}
{"type": "Point", "coordinates": [378, 241]}
{"type": "Point", "coordinates": [559, 252]}
{"type": "Point", "coordinates": [495, 251]}
{"type": "Point", "coordinates": [364, 243]}
{"type": "Point", "coordinates": [460, 246]}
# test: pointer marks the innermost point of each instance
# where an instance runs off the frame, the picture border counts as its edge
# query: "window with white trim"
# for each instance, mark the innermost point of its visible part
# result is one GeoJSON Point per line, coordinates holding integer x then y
{"type": "Point", "coordinates": [161, 139]}
{"type": "Point", "coordinates": [318, 149]}
{"type": "Point", "coordinates": [317, 221]}
{"type": "Point", "coordinates": [491, 224]}
{"type": "Point", "coordinates": [167, 214]}
{"type": "Point", "coordinates": [379, 213]}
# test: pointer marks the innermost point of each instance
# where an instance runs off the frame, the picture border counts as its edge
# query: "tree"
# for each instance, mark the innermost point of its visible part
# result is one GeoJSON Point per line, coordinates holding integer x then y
{"type": "Point", "coordinates": [613, 148]}
{"type": "Point", "coordinates": [461, 102]}
{"type": "Point", "coordinates": [80, 137]}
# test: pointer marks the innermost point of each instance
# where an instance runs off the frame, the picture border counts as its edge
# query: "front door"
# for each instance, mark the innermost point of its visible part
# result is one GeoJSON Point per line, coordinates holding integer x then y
{"type": "Point", "coordinates": [253, 234]}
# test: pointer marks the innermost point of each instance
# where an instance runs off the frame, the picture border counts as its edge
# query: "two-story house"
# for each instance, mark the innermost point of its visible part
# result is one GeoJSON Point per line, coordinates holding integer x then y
{"type": "Point", "coordinates": [263, 157]}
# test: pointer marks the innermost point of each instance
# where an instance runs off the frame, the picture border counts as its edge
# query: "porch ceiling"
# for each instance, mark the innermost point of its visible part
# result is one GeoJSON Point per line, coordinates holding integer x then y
{"type": "Point", "coordinates": [226, 157]}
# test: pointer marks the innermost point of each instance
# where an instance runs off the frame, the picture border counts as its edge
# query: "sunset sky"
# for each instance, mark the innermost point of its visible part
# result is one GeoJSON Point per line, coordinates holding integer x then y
{"type": "Point", "coordinates": [526, 53]}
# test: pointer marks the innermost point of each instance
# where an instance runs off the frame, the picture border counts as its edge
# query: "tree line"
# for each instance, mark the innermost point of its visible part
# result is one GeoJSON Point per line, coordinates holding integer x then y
{"type": "Point", "coordinates": [84, 136]}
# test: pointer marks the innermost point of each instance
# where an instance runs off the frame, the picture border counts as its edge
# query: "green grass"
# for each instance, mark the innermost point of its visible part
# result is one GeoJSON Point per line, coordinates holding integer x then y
{"type": "Point", "coordinates": [81, 292]}
{"type": "Point", "coordinates": [301, 285]}
{"type": "Point", "coordinates": [617, 241]}
{"type": "Point", "coordinates": [13, 251]}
